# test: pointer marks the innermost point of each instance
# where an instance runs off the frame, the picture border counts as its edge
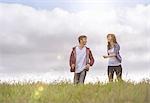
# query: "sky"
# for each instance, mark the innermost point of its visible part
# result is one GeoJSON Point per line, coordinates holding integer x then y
{"type": "Point", "coordinates": [37, 36]}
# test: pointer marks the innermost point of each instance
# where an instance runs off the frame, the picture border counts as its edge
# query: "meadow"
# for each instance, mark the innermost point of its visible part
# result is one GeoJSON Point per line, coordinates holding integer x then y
{"type": "Point", "coordinates": [66, 92]}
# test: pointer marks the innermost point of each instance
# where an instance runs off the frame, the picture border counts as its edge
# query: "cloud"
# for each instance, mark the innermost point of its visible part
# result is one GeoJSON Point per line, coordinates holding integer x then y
{"type": "Point", "coordinates": [33, 40]}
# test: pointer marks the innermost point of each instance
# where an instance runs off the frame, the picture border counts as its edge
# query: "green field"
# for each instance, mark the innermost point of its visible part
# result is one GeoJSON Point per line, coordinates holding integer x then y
{"type": "Point", "coordinates": [124, 92]}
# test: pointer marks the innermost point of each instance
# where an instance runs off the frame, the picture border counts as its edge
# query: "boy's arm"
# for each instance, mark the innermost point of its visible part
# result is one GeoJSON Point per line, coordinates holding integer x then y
{"type": "Point", "coordinates": [91, 58]}
{"type": "Point", "coordinates": [71, 60]}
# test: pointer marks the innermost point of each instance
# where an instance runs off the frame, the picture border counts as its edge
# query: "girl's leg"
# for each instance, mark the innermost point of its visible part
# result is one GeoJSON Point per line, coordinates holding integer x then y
{"type": "Point", "coordinates": [118, 71]}
{"type": "Point", "coordinates": [110, 73]}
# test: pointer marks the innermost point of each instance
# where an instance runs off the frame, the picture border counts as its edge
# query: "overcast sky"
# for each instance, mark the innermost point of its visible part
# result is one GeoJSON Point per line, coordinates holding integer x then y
{"type": "Point", "coordinates": [36, 36]}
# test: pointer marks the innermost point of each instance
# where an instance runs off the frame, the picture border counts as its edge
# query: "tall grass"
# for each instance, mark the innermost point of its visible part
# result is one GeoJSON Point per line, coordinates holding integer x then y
{"type": "Point", "coordinates": [65, 92]}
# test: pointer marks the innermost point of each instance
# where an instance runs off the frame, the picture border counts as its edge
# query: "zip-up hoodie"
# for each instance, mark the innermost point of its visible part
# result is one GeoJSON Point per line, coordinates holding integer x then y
{"type": "Point", "coordinates": [89, 58]}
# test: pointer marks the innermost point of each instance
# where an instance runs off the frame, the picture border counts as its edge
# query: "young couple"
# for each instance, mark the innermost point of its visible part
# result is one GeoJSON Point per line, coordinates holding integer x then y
{"type": "Point", "coordinates": [81, 59]}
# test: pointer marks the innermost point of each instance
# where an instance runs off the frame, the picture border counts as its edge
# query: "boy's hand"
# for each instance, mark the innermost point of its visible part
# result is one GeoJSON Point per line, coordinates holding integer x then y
{"type": "Point", "coordinates": [87, 66]}
{"type": "Point", "coordinates": [72, 69]}
{"type": "Point", "coordinates": [73, 66]}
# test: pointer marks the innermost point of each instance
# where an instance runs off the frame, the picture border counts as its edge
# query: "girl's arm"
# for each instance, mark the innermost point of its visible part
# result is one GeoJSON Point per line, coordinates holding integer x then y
{"type": "Point", "coordinates": [116, 50]}
{"type": "Point", "coordinates": [109, 56]}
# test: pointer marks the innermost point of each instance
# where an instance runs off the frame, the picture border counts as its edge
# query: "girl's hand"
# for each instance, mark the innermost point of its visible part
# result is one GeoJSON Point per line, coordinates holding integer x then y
{"type": "Point", "coordinates": [105, 56]}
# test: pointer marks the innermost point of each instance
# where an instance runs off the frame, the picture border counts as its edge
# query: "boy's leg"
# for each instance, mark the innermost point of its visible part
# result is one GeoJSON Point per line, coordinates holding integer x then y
{"type": "Point", "coordinates": [76, 78]}
{"type": "Point", "coordinates": [82, 77]}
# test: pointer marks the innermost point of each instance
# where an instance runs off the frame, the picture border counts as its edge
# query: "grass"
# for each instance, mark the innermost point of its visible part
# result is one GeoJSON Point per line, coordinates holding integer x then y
{"type": "Point", "coordinates": [65, 92]}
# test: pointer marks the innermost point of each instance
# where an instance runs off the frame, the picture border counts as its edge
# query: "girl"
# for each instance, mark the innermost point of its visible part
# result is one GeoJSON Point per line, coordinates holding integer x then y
{"type": "Point", "coordinates": [114, 63]}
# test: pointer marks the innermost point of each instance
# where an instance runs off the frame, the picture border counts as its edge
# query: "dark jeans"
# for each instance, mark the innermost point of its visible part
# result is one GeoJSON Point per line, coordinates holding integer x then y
{"type": "Point", "coordinates": [79, 77]}
{"type": "Point", "coordinates": [117, 70]}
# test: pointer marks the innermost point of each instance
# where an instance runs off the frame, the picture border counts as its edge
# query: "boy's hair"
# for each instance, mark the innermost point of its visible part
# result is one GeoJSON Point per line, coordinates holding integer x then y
{"type": "Point", "coordinates": [81, 37]}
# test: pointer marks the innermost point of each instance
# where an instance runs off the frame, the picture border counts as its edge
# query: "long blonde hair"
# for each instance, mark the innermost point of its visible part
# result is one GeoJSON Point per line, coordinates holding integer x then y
{"type": "Point", "coordinates": [113, 38]}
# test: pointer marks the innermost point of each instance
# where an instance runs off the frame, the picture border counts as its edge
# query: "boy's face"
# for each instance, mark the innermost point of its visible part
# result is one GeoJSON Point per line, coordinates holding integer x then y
{"type": "Point", "coordinates": [83, 41]}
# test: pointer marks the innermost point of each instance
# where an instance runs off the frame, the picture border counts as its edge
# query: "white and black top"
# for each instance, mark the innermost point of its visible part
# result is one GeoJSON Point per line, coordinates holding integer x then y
{"type": "Point", "coordinates": [114, 61]}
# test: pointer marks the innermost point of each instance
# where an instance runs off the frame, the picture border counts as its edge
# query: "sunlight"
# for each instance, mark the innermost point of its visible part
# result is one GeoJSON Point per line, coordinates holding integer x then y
{"type": "Point", "coordinates": [40, 88]}
{"type": "Point", "coordinates": [59, 57]}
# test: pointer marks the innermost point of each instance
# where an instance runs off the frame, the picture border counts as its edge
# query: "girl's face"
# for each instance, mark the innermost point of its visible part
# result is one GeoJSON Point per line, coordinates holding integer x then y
{"type": "Point", "coordinates": [109, 39]}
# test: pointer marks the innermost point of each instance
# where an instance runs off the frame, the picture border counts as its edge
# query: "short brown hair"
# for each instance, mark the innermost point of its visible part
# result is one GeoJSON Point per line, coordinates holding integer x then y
{"type": "Point", "coordinates": [81, 37]}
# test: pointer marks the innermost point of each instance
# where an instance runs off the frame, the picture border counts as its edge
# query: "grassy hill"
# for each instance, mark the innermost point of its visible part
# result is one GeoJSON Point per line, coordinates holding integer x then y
{"type": "Point", "coordinates": [124, 92]}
